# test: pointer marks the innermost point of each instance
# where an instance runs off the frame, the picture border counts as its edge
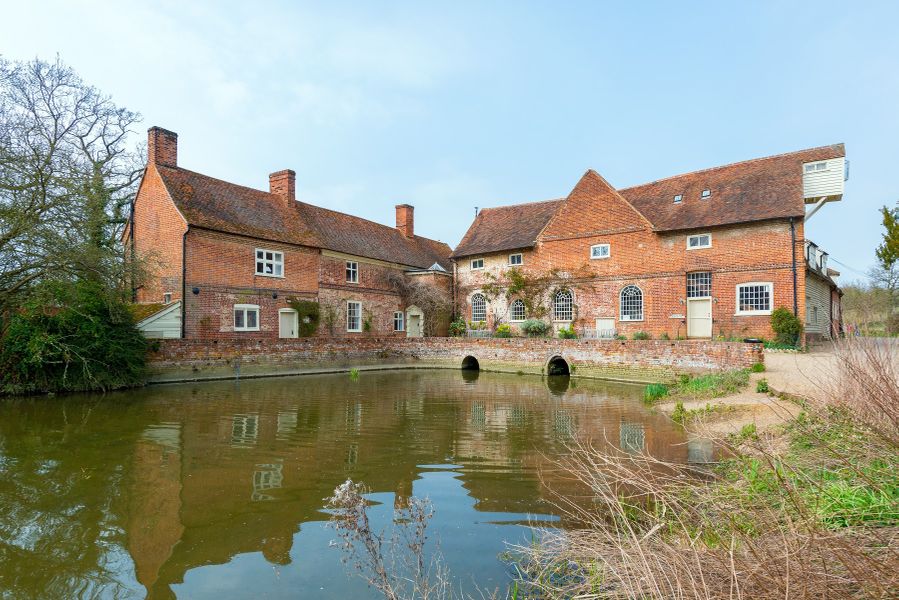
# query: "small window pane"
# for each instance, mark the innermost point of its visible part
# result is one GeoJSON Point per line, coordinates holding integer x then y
{"type": "Point", "coordinates": [820, 166]}
{"type": "Point", "coordinates": [252, 316]}
{"type": "Point", "coordinates": [562, 306]}
{"type": "Point", "coordinates": [398, 319]}
{"type": "Point", "coordinates": [259, 254]}
{"type": "Point", "coordinates": [353, 316]}
{"type": "Point", "coordinates": [678, 198]}
{"type": "Point", "coordinates": [809, 168]}
{"type": "Point", "coordinates": [515, 259]}
{"type": "Point", "coordinates": [706, 193]}
{"type": "Point", "coordinates": [478, 308]}
{"type": "Point", "coordinates": [699, 285]}
{"type": "Point", "coordinates": [238, 318]}
{"type": "Point", "coordinates": [517, 311]}
{"type": "Point", "coordinates": [277, 269]}
{"type": "Point", "coordinates": [631, 304]}
{"type": "Point", "coordinates": [599, 251]}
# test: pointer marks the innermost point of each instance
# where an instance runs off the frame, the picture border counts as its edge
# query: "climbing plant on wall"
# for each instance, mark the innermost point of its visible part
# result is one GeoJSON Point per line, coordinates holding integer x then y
{"type": "Point", "coordinates": [308, 315]}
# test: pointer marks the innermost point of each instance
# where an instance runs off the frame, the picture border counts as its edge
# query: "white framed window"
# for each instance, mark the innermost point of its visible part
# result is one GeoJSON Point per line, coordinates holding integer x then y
{"type": "Point", "coordinates": [600, 251]}
{"type": "Point", "coordinates": [754, 298]}
{"type": "Point", "coordinates": [705, 194]}
{"type": "Point", "coordinates": [353, 316]}
{"type": "Point", "coordinates": [678, 198]}
{"type": "Point", "coordinates": [477, 263]}
{"type": "Point", "coordinates": [269, 263]}
{"type": "Point", "coordinates": [517, 311]}
{"type": "Point", "coordinates": [631, 304]}
{"type": "Point", "coordinates": [399, 321]}
{"type": "Point", "coordinates": [563, 307]}
{"type": "Point", "coordinates": [700, 240]}
{"type": "Point", "coordinates": [818, 166]}
{"type": "Point", "coordinates": [515, 259]}
{"type": "Point", "coordinates": [352, 271]}
{"type": "Point", "coordinates": [699, 284]}
{"type": "Point", "coordinates": [246, 317]}
{"type": "Point", "coordinates": [478, 308]}
{"type": "Point", "coordinates": [167, 298]}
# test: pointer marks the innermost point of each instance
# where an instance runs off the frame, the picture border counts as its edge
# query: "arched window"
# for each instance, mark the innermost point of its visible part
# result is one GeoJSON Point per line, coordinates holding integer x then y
{"type": "Point", "coordinates": [562, 306]}
{"type": "Point", "coordinates": [478, 308]}
{"type": "Point", "coordinates": [631, 304]}
{"type": "Point", "coordinates": [516, 311]}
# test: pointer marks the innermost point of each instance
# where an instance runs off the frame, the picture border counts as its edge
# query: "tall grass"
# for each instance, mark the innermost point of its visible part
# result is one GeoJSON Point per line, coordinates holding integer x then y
{"type": "Point", "coordinates": [810, 513]}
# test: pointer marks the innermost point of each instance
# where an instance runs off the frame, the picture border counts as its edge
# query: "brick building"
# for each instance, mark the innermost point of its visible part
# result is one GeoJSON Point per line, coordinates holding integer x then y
{"type": "Point", "coordinates": [706, 254]}
{"type": "Point", "coordinates": [223, 260]}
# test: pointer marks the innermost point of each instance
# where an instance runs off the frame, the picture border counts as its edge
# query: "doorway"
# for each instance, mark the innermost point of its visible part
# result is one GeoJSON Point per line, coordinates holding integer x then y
{"type": "Point", "coordinates": [699, 317]}
{"type": "Point", "coordinates": [287, 323]}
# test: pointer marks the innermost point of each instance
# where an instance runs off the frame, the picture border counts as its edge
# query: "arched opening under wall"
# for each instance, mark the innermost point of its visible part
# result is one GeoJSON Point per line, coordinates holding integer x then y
{"type": "Point", "coordinates": [557, 366]}
{"type": "Point", "coordinates": [470, 363]}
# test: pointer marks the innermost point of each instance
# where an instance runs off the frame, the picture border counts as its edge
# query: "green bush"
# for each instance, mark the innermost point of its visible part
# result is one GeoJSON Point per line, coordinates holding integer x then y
{"type": "Point", "coordinates": [567, 333]}
{"type": "Point", "coordinates": [787, 326]}
{"type": "Point", "coordinates": [308, 316]}
{"type": "Point", "coordinates": [535, 328]}
{"type": "Point", "coordinates": [761, 386]}
{"type": "Point", "coordinates": [457, 327]}
{"type": "Point", "coordinates": [641, 335]}
{"type": "Point", "coordinates": [757, 368]}
{"type": "Point", "coordinates": [71, 337]}
{"type": "Point", "coordinates": [665, 336]}
{"type": "Point", "coordinates": [504, 330]}
{"type": "Point", "coordinates": [679, 414]}
{"type": "Point", "coordinates": [654, 391]}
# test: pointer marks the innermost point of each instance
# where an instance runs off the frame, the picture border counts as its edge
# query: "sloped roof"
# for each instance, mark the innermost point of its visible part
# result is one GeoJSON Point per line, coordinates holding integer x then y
{"type": "Point", "coordinates": [752, 190]}
{"type": "Point", "coordinates": [506, 228]}
{"type": "Point", "coordinates": [353, 235]}
{"type": "Point", "coordinates": [221, 206]}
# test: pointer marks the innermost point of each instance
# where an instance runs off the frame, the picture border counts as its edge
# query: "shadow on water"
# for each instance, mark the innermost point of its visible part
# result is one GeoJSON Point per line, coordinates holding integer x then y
{"type": "Point", "coordinates": [558, 384]}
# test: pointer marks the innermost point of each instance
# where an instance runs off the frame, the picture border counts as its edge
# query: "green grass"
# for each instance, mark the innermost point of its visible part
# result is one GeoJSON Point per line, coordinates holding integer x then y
{"type": "Point", "coordinates": [654, 391]}
{"type": "Point", "coordinates": [757, 368]}
{"type": "Point", "coordinates": [683, 416]}
{"type": "Point", "coordinates": [761, 386]}
{"type": "Point", "coordinates": [711, 385]}
{"type": "Point", "coordinates": [354, 374]}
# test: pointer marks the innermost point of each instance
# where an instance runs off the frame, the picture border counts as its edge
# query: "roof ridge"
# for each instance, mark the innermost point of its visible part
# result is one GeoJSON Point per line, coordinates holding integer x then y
{"type": "Point", "coordinates": [388, 227]}
{"type": "Point", "coordinates": [521, 204]}
{"type": "Point", "coordinates": [231, 183]}
{"type": "Point", "coordinates": [732, 164]}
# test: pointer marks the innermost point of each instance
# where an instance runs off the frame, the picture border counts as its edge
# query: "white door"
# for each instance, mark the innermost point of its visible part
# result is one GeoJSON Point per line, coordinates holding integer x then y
{"type": "Point", "coordinates": [287, 324]}
{"type": "Point", "coordinates": [699, 317]}
{"type": "Point", "coordinates": [605, 328]}
{"type": "Point", "coordinates": [413, 327]}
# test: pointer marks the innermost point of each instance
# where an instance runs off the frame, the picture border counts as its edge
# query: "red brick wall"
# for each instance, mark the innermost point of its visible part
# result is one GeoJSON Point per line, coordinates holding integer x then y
{"type": "Point", "coordinates": [158, 233]}
{"type": "Point", "coordinates": [658, 264]}
{"type": "Point", "coordinates": [379, 300]}
{"type": "Point", "coordinates": [634, 360]}
{"type": "Point", "coordinates": [223, 268]}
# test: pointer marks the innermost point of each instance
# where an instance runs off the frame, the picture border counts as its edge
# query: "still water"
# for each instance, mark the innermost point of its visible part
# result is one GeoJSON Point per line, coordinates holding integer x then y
{"type": "Point", "coordinates": [215, 490]}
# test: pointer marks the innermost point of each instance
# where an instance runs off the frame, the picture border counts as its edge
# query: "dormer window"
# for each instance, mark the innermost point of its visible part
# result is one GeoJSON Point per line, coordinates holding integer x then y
{"type": "Point", "coordinates": [678, 198]}
{"type": "Point", "coordinates": [705, 194]}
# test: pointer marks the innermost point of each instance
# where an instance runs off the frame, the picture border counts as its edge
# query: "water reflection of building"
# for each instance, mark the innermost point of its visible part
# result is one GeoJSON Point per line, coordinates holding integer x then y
{"type": "Point", "coordinates": [219, 485]}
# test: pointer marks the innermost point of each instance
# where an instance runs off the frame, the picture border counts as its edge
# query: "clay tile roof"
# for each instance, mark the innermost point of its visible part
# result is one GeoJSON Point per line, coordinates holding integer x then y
{"type": "Point", "coordinates": [753, 190]}
{"type": "Point", "coordinates": [506, 228]}
{"type": "Point", "coordinates": [221, 206]}
{"type": "Point", "coordinates": [353, 235]}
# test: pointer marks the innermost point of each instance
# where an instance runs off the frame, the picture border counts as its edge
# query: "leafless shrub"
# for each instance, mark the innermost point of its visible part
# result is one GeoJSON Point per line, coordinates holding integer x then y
{"type": "Point", "coordinates": [435, 302]}
{"type": "Point", "coordinates": [866, 383]}
{"type": "Point", "coordinates": [807, 514]}
{"type": "Point", "coordinates": [396, 565]}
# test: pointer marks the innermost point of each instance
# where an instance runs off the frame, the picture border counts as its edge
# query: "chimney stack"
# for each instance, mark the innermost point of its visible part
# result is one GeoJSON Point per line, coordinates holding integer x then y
{"type": "Point", "coordinates": [284, 184]}
{"type": "Point", "coordinates": [162, 147]}
{"type": "Point", "coordinates": [405, 220]}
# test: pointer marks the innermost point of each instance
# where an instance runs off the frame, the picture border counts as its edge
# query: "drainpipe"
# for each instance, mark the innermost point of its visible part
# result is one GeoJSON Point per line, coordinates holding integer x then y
{"type": "Point", "coordinates": [184, 281]}
{"type": "Point", "coordinates": [793, 238]}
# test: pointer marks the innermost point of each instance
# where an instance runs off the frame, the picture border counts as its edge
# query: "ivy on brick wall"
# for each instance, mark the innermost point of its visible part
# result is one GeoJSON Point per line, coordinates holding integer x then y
{"type": "Point", "coordinates": [308, 315]}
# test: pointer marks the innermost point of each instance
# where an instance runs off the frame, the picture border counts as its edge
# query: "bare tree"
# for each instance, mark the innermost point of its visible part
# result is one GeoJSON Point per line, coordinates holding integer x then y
{"type": "Point", "coordinates": [68, 175]}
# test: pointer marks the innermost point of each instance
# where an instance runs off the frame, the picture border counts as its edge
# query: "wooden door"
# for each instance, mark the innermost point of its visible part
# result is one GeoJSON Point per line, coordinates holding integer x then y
{"type": "Point", "coordinates": [287, 324]}
{"type": "Point", "coordinates": [699, 318]}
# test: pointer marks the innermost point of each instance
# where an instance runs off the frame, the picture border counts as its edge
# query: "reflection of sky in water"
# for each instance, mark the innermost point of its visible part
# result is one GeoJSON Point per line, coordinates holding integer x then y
{"type": "Point", "coordinates": [470, 541]}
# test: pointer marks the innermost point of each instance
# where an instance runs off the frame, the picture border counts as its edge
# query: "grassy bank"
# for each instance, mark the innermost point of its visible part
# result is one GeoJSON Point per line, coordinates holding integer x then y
{"type": "Point", "coordinates": [806, 510]}
{"type": "Point", "coordinates": [699, 387]}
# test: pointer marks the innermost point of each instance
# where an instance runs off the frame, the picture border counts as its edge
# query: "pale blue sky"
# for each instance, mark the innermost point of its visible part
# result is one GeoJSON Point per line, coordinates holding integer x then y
{"type": "Point", "coordinates": [458, 105]}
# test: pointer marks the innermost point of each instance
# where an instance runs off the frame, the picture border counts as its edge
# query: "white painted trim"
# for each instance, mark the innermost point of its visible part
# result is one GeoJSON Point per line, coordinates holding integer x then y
{"type": "Point", "coordinates": [274, 252]}
{"type": "Point", "coordinates": [608, 251]}
{"type": "Point", "coordinates": [696, 235]}
{"type": "Point", "coordinates": [474, 268]}
{"type": "Point", "coordinates": [518, 264]}
{"type": "Point", "coordinates": [749, 313]}
{"type": "Point", "coordinates": [348, 302]}
{"type": "Point", "coordinates": [403, 315]}
{"type": "Point", "coordinates": [346, 267]}
{"type": "Point", "coordinates": [245, 308]}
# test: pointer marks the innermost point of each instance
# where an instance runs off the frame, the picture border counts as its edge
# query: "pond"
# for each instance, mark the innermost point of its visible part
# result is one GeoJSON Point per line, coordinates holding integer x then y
{"type": "Point", "coordinates": [215, 490]}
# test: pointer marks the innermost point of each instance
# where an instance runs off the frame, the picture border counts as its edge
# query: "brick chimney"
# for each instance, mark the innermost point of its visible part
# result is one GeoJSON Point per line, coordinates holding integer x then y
{"type": "Point", "coordinates": [162, 146]}
{"type": "Point", "coordinates": [284, 184]}
{"type": "Point", "coordinates": [405, 220]}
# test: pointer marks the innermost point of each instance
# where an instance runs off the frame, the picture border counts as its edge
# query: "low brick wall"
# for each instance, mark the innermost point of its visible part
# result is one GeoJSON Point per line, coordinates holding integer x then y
{"type": "Point", "coordinates": [625, 360]}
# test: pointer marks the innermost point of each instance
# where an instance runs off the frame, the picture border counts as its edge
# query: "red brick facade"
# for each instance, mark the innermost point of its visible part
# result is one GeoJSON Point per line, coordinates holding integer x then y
{"type": "Point", "coordinates": [199, 239]}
